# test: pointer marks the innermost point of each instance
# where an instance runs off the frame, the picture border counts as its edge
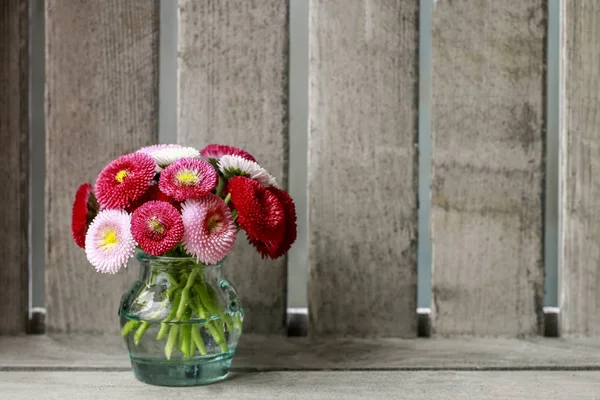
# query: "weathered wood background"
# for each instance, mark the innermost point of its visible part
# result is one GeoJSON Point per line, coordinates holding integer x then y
{"type": "Point", "coordinates": [232, 69]}
{"type": "Point", "coordinates": [488, 142]}
{"type": "Point", "coordinates": [488, 85]}
{"type": "Point", "coordinates": [362, 175]}
{"type": "Point", "coordinates": [580, 275]}
{"type": "Point", "coordinates": [14, 167]}
{"type": "Point", "coordinates": [101, 102]}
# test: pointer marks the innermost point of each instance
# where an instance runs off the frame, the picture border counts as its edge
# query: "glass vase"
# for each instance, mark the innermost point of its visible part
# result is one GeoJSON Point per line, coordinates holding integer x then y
{"type": "Point", "coordinates": [181, 322]}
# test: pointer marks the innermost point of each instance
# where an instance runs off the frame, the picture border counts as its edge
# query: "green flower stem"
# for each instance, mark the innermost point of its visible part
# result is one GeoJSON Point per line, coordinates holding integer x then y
{"type": "Point", "coordinates": [164, 329]}
{"type": "Point", "coordinates": [129, 327]}
{"type": "Point", "coordinates": [206, 300]}
{"type": "Point", "coordinates": [174, 308]}
{"type": "Point", "coordinates": [171, 340]}
{"type": "Point", "coordinates": [185, 293]}
{"type": "Point", "coordinates": [197, 340]}
{"type": "Point", "coordinates": [192, 346]}
{"type": "Point", "coordinates": [140, 332]}
{"type": "Point", "coordinates": [211, 325]}
{"type": "Point", "coordinates": [185, 339]}
{"type": "Point", "coordinates": [221, 186]}
{"type": "Point", "coordinates": [172, 280]}
{"type": "Point", "coordinates": [227, 198]}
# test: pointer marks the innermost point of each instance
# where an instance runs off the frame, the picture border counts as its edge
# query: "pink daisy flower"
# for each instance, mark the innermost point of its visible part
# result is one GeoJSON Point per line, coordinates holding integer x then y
{"type": "Point", "coordinates": [109, 242]}
{"type": "Point", "coordinates": [188, 178]}
{"type": "Point", "coordinates": [157, 227]}
{"type": "Point", "coordinates": [124, 180]}
{"type": "Point", "coordinates": [216, 151]}
{"type": "Point", "coordinates": [209, 228]}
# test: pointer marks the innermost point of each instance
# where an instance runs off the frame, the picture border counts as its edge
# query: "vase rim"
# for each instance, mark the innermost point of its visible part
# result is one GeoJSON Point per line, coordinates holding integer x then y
{"type": "Point", "coordinates": [143, 256]}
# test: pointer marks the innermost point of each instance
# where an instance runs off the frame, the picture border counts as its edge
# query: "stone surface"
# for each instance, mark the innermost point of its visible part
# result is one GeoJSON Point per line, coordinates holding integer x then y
{"type": "Point", "coordinates": [273, 352]}
{"type": "Point", "coordinates": [324, 385]}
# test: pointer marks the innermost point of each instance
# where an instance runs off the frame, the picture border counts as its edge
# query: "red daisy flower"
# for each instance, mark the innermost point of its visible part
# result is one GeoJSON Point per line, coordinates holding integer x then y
{"type": "Point", "coordinates": [260, 213]}
{"type": "Point", "coordinates": [188, 178]}
{"type": "Point", "coordinates": [157, 227]}
{"type": "Point", "coordinates": [276, 248]}
{"type": "Point", "coordinates": [124, 180]}
{"type": "Point", "coordinates": [216, 151]}
{"type": "Point", "coordinates": [85, 208]}
{"type": "Point", "coordinates": [153, 193]}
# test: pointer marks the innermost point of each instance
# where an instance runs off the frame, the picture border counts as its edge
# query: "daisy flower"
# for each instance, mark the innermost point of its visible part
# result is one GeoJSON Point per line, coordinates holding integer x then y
{"type": "Point", "coordinates": [277, 248]}
{"type": "Point", "coordinates": [260, 213]}
{"type": "Point", "coordinates": [150, 150]}
{"type": "Point", "coordinates": [157, 227]}
{"type": "Point", "coordinates": [153, 193]}
{"type": "Point", "coordinates": [188, 178]}
{"type": "Point", "coordinates": [216, 151]}
{"type": "Point", "coordinates": [124, 180]}
{"type": "Point", "coordinates": [168, 155]}
{"type": "Point", "coordinates": [85, 208]}
{"type": "Point", "coordinates": [109, 242]}
{"type": "Point", "coordinates": [209, 230]}
{"type": "Point", "coordinates": [155, 147]}
{"type": "Point", "coordinates": [232, 165]}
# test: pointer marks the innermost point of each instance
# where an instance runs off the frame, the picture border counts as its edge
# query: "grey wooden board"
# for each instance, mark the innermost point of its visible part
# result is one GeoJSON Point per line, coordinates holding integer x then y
{"type": "Point", "coordinates": [233, 63]}
{"type": "Point", "coordinates": [580, 277]}
{"type": "Point", "coordinates": [273, 352]}
{"type": "Point", "coordinates": [312, 385]}
{"type": "Point", "coordinates": [488, 147]}
{"type": "Point", "coordinates": [14, 166]}
{"type": "Point", "coordinates": [362, 176]}
{"type": "Point", "coordinates": [101, 102]}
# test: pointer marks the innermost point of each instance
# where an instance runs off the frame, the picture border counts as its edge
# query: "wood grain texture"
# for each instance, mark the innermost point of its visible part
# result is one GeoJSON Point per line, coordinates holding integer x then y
{"type": "Point", "coordinates": [579, 273]}
{"type": "Point", "coordinates": [488, 146]}
{"type": "Point", "coordinates": [362, 173]}
{"type": "Point", "coordinates": [323, 385]}
{"type": "Point", "coordinates": [261, 353]}
{"type": "Point", "coordinates": [14, 289]}
{"type": "Point", "coordinates": [101, 102]}
{"type": "Point", "coordinates": [233, 63]}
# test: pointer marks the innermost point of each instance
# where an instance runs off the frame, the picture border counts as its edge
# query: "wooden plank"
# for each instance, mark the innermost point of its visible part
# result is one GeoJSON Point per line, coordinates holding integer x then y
{"type": "Point", "coordinates": [273, 352]}
{"type": "Point", "coordinates": [579, 274]}
{"type": "Point", "coordinates": [488, 163]}
{"type": "Point", "coordinates": [362, 178]}
{"type": "Point", "coordinates": [314, 385]}
{"type": "Point", "coordinates": [233, 63]}
{"type": "Point", "coordinates": [14, 167]}
{"type": "Point", "coordinates": [101, 102]}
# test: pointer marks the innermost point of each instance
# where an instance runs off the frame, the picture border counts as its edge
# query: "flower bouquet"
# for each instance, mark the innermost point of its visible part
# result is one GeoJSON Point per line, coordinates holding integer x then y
{"type": "Point", "coordinates": [179, 210]}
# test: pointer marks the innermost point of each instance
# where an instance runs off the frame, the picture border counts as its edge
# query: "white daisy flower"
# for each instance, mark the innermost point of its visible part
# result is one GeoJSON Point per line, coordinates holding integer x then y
{"type": "Point", "coordinates": [167, 156]}
{"type": "Point", "coordinates": [232, 165]}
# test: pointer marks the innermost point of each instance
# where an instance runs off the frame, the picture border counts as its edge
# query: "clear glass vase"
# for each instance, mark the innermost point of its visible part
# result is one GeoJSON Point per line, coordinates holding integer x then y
{"type": "Point", "coordinates": [181, 322]}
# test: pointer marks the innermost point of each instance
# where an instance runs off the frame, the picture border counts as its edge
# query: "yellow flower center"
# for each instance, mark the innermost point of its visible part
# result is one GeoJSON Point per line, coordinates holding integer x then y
{"type": "Point", "coordinates": [121, 175]}
{"type": "Point", "coordinates": [187, 177]}
{"type": "Point", "coordinates": [109, 239]}
{"type": "Point", "coordinates": [213, 223]}
{"type": "Point", "coordinates": [155, 225]}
